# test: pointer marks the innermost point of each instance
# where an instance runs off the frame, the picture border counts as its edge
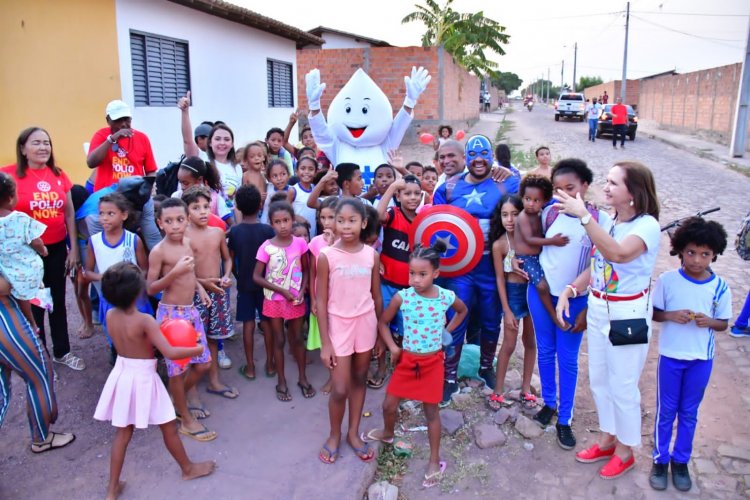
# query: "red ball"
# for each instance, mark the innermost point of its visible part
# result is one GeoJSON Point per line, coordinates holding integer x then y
{"type": "Point", "coordinates": [426, 138]}
{"type": "Point", "coordinates": [180, 333]}
{"type": "Point", "coordinates": [460, 135]}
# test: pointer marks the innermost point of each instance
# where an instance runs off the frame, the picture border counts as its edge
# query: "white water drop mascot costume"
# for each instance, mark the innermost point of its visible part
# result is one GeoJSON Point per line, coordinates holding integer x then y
{"type": "Point", "coordinates": [361, 128]}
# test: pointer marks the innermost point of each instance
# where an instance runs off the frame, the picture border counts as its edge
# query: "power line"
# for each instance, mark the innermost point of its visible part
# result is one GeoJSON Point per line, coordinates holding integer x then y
{"type": "Point", "coordinates": [719, 41]}
{"type": "Point", "coordinates": [599, 14]}
{"type": "Point", "coordinates": [687, 13]}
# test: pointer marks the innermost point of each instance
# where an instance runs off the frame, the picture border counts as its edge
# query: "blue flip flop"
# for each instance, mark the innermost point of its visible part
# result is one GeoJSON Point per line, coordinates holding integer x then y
{"type": "Point", "coordinates": [227, 392]}
{"type": "Point", "coordinates": [332, 455]}
{"type": "Point", "coordinates": [362, 453]}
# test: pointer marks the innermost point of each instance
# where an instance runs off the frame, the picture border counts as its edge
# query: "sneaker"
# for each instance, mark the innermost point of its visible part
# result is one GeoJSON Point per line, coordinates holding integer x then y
{"type": "Point", "coordinates": [565, 437]}
{"type": "Point", "coordinates": [740, 332]}
{"type": "Point", "coordinates": [658, 478]}
{"type": "Point", "coordinates": [680, 476]}
{"type": "Point", "coordinates": [71, 361]}
{"type": "Point", "coordinates": [616, 467]}
{"type": "Point", "coordinates": [224, 362]}
{"type": "Point", "coordinates": [489, 377]}
{"type": "Point", "coordinates": [544, 416]}
{"type": "Point", "coordinates": [449, 389]}
{"type": "Point", "coordinates": [594, 454]}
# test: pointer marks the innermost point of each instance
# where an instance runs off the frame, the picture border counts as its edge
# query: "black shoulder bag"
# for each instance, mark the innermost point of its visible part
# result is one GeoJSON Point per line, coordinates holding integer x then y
{"type": "Point", "coordinates": [627, 331]}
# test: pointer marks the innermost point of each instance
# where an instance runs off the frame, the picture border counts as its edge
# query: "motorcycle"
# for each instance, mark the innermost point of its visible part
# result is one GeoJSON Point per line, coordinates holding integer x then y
{"type": "Point", "coordinates": [530, 105]}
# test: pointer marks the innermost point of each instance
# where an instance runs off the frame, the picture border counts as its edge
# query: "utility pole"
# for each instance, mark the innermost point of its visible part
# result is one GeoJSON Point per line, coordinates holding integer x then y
{"type": "Point", "coordinates": [575, 63]}
{"type": "Point", "coordinates": [562, 75]}
{"type": "Point", "coordinates": [739, 132]}
{"type": "Point", "coordinates": [624, 82]}
{"type": "Point", "coordinates": [549, 82]}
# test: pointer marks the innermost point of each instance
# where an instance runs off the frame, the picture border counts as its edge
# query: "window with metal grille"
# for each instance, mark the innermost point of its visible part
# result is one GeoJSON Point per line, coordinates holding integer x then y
{"type": "Point", "coordinates": [161, 69]}
{"type": "Point", "coordinates": [280, 90]}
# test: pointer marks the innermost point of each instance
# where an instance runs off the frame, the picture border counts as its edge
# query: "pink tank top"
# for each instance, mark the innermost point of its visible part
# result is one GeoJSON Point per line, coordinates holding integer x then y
{"type": "Point", "coordinates": [350, 281]}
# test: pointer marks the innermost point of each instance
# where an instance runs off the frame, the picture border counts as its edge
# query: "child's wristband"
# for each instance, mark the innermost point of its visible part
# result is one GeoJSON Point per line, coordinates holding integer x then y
{"type": "Point", "coordinates": [573, 289]}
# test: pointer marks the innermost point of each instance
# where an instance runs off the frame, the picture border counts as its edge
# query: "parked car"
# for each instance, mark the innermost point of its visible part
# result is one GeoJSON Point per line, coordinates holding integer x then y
{"type": "Point", "coordinates": [570, 105]}
{"type": "Point", "coordinates": [605, 122]}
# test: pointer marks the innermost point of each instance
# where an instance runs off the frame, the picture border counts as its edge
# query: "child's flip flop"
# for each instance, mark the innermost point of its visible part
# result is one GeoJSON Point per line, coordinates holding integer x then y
{"type": "Point", "coordinates": [332, 455]}
{"type": "Point", "coordinates": [365, 453]}
{"type": "Point", "coordinates": [433, 479]}
{"type": "Point", "coordinates": [371, 438]}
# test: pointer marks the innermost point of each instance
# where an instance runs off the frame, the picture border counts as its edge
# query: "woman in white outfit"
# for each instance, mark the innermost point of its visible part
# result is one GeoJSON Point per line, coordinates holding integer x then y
{"type": "Point", "coordinates": [619, 281]}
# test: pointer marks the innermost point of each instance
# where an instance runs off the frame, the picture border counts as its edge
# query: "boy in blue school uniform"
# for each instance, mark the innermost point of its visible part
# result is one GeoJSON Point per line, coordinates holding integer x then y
{"type": "Point", "coordinates": [692, 303]}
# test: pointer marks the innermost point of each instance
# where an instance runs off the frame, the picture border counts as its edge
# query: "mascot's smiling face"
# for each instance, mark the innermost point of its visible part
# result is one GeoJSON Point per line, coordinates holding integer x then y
{"type": "Point", "coordinates": [361, 113]}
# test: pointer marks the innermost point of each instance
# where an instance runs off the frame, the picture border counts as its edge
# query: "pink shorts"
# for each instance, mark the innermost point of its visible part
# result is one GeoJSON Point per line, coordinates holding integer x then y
{"type": "Point", "coordinates": [283, 309]}
{"type": "Point", "coordinates": [350, 335]}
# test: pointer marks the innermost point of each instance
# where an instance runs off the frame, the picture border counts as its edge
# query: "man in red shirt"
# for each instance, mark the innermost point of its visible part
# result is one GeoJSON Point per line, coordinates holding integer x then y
{"type": "Point", "coordinates": [619, 123]}
{"type": "Point", "coordinates": [118, 151]}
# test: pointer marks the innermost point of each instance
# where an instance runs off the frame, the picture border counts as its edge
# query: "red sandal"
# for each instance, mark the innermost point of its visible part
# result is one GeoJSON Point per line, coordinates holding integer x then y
{"type": "Point", "coordinates": [496, 401]}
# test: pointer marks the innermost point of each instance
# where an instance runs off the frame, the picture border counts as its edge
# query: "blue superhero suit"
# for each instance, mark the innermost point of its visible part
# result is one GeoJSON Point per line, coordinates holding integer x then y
{"type": "Point", "coordinates": [477, 288]}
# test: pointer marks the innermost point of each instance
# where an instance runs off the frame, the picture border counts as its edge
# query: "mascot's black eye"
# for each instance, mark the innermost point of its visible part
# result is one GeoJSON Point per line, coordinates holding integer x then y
{"type": "Point", "coordinates": [364, 111]}
{"type": "Point", "coordinates": [348, 109]}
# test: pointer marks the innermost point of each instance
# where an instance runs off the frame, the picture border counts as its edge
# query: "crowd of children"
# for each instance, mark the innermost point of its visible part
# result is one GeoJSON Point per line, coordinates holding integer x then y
{"type": "Point", "coordinates": [322, 263]}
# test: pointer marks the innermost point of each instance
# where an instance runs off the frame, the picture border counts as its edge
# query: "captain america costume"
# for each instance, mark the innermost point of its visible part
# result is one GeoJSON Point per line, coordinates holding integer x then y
{"type": "Point", "coordinates": [477, 288]}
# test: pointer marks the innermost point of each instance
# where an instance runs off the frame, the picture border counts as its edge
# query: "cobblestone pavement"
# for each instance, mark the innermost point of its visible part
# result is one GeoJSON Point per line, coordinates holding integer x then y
{"type": "Point", "coordinates": [685, 184]}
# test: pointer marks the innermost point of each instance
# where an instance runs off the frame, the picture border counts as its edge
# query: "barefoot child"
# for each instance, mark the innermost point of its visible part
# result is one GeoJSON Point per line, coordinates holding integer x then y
{"type": "Point", "coordinates": [171, 270]}
{"type": "Point", "coordinates": [21, 249]}
{"type": "Point", "coordinates": [244, 240]}
{"type": "Point", "coordinates": [535, 192]}
{"type": "Point", "coordinates": [134, 396]}
{"type": "Point", "coordinates": [281, 269]}
{"type": "Point", "coordinates": [692, 303]}
{"type": "Point", "coordinates": [419, 366]}
{"type": "Point", "coordinates": [512, 291]}
{"type": "Point", "coordinates": [211, 254]}
{"type": "Point", "coordinates": [348, 304]}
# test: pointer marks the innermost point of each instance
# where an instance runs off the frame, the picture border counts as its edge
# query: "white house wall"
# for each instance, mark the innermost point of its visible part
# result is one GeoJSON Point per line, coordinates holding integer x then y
{"type": "Point", "coordinates": [227, 73]}
{"type": "Point", "coordinates": [336, 41]}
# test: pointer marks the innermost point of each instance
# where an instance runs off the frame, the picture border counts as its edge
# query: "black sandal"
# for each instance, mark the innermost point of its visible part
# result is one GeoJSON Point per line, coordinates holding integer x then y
{"type": "Point", "coordinates": [307, 390]}
{"type": "Point", "coordinates": [50, 444]}
{"type": "Point", "coordinates": [283, 395]}
{"type": "Point", "coordinates": [376, 382]}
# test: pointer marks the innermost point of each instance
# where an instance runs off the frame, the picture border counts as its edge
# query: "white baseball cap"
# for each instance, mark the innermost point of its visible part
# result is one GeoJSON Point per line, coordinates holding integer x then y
{"type": "Point", "coordinates": [118, 109]}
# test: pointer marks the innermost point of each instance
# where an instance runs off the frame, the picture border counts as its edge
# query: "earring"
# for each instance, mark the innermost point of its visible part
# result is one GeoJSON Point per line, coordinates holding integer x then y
{"type": "Point", "coordinates": [631, 203]}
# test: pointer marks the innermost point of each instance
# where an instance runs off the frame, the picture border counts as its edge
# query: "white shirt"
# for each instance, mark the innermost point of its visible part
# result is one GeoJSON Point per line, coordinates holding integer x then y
{"type": "Point", "coordinates": [674, 290]}
{"type": "Point", "coordinates": [107, 255]}
{"type": "Point", "coordinates": [231, 177]}
{"type": "Point", "coordinates": [593, 111]}
{"type": "Point", "coordinates": [562, 265]}
{"type": "Point", "coordinates": [631, 277]}
{"type": "Point", "coordinates": [300, 207]}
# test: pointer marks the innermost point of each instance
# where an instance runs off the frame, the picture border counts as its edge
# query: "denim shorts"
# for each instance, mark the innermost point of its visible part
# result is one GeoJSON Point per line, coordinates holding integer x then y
{"type": "Point", "coordinates": [516, 292]}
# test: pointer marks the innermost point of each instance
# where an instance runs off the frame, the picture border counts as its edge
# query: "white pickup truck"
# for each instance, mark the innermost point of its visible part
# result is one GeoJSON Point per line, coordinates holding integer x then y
{"type": "Point", "coordinates": [570, 105]}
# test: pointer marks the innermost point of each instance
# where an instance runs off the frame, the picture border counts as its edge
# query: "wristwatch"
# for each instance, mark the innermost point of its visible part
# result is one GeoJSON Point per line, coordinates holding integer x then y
{"type": "Point", "coordinates": [585, 219]}
{"type": "Point", "coordinates": [110, 139]}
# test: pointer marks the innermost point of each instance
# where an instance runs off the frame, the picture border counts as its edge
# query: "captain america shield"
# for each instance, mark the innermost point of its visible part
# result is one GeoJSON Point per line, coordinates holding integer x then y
{"type": "Point", "coordinates": [456, 228]}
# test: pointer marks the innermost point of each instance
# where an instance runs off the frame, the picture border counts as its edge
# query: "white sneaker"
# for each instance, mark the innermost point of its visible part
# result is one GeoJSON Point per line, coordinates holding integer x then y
{"type": "Point", "coordinates": [71, 361]}
{"type": "Point", "coordinates": [224, 362]}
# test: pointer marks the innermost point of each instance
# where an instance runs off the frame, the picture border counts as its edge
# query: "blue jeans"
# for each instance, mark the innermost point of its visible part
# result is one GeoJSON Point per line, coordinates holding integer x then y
{"type": "Point", "coordinates": [478, 290]}
{"type": "Point", "coordinates": [592, 128]}
{"type": "Point", "coordinates": [557, 348]}
{"type": "Point", "coordinates": [680, 386]}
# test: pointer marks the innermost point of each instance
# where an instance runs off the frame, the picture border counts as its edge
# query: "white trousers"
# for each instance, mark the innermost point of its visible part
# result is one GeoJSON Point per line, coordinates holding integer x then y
{"type": "Point", "coordinates": [614, 371]}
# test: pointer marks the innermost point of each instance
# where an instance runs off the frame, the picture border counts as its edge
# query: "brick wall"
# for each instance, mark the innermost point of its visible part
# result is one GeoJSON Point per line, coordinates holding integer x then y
{"type": "Point", "coordinates": [452, 97]}
{"type": "Point", "coordinates": [701, 102]}
{"type": "Point", "coordinates": [632, 91]}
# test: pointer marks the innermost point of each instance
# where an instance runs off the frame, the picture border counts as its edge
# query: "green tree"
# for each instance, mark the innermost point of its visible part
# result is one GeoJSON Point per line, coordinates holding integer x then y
{"type": "Point", "coordinates": [467, 37]}
{"type": "Point", "coordinates": [506, 80]}
{"type": "Point", "coordinates": [588, 81]}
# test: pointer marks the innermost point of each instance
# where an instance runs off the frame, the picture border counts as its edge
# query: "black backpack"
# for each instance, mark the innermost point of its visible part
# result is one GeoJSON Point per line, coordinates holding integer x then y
{"type": "Point", "coordinates": [166, 178]}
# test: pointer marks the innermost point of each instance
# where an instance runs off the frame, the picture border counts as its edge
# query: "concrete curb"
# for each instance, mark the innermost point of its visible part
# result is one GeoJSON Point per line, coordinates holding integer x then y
{"type": "Point", "coordinates": [700, 153]}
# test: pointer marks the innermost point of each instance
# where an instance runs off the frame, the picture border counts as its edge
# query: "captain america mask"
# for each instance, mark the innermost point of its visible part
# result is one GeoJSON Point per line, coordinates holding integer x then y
{"type": "Point", "coordinates": [478, 146]}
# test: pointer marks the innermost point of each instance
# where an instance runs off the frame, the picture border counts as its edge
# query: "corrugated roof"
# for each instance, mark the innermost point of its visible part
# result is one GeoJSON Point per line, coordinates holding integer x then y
{"type": "Point", "coordinates": [241, 15]}
{"type": "Point", "coordinates": [377, 43]}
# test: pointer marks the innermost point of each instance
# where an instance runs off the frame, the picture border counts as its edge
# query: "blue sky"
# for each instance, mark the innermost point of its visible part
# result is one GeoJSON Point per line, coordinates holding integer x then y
{"type": "Point", "coordinates": [685, 35]}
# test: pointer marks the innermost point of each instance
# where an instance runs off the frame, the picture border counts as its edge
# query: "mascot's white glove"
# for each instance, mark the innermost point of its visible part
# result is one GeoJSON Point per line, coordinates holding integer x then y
{"type": "Point", "coordinates": [415, 85]}
{"type": "Point", "coordinates": [314, 89]}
